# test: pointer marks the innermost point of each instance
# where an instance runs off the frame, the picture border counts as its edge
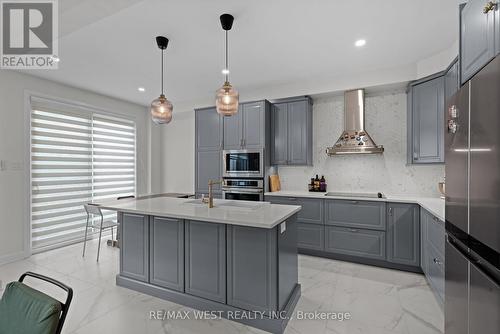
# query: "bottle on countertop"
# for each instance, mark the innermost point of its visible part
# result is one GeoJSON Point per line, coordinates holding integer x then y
{"type": "Point", "coordinates": [311, 185]}
{"type": "Point", "coordinates": [316, 183]}
{"type": "Point", "coordinates": [322, 184]}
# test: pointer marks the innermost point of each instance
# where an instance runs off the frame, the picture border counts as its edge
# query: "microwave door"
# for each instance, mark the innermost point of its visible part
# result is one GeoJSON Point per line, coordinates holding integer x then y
{"type": "Point", "coordinates": [484, 186]}
{"type": "Point", "coordinates": [456, 154]}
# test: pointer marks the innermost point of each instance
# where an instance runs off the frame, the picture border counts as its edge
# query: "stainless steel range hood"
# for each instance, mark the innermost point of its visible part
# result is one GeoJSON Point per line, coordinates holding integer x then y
{"type": "Point", "coordinates": [354, 139]}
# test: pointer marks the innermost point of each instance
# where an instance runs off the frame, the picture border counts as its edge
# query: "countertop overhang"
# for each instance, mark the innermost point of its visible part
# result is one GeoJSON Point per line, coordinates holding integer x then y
{"type": "Point", "coordinates": [254, 214]}
{"type": "Point", "coordinates": [435, 206]}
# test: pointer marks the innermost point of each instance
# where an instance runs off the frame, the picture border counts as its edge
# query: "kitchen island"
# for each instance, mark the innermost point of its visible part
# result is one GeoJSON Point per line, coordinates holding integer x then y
{"type": "Point", "coordinates": [238, 258]}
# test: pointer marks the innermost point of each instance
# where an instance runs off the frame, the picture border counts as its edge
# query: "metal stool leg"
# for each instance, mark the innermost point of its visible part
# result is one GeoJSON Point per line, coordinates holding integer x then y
{"type": "Point", "coordinates": [100, 235]}
{"type": "Point", "coordinates": [85, 240]}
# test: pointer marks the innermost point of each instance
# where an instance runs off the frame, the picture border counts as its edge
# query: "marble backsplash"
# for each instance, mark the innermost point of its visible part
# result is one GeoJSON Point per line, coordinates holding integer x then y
{"type": "Point", "coordinates": [385, 121]}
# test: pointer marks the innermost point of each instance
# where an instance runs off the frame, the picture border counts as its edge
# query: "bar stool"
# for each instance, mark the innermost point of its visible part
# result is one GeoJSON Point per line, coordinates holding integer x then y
{"type": "Point", "coordinates": [93, 210]}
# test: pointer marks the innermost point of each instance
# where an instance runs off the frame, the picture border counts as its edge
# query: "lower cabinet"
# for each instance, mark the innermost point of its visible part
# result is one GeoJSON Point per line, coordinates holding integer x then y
{"type": "Point", "coordinates": [433, 251]}
{"type": "Point", "coordinates": [403, 234]}
{"type": "Point", "coordinates": [205, 260]}
{"type": "Point", "coordinates": [311, 236]}
{"type": "Point", "coordinates": [252, 268]}
{"type": "Point", "coordinates": [134, 246]}
{"type": "Point", "coordinates": [355, 242]}
{"type": "Point", "coordinates": [166, 258]}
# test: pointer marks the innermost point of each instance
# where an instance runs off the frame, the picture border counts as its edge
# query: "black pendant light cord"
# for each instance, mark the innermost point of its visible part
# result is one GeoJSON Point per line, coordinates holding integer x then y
{"type": "Point", "coordinates": [162, 56]}
{"type": "Point", "coordinates": [227, 60]}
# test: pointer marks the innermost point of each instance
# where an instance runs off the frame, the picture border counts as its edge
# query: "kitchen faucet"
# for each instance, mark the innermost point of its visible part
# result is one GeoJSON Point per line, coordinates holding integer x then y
{"type": "Point", "coordinates": [210, 192]}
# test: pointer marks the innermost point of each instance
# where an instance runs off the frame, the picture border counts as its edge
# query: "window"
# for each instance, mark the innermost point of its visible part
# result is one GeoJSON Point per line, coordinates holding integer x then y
{"type": "Point", "coordinates": [78, 156]}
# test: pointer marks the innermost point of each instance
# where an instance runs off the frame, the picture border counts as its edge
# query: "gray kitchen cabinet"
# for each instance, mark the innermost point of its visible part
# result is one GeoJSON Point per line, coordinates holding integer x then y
{"type": "Point", "coordinates": [252, 268]}
{"type": "Point", "coordinates": [311, 236]}
{"type": "Point", "coordinates": [291, 140]}
{"type": "Point", "coordinates": [208, 167]}
{"type": "Point", "coordinates": [356, 214]}
{"type": "Point", "coordinates": [479, 37]}
{"type": "Point", "coordinates": [451, 82]}
{"type": "Point", "coordinates": [166, 268]}
{"type": "Point", "coordinates": [208, 129]}
{"type": "Point", "coordinates": [433, 251]}
{"type": "Point", "coordinates": [254, 125]}
{"type": "Point", "coordinates": [355, 242]}
{"type": "Point", "coordinates": [312, 208]}
{"type": "Point", "coordinates": [208, 149]}
{"type": "Point", "coordinates": [426, 120]}
{"type": "Point", "coordinates": [205, 260]}
{"type": "Point", "coordinates": [233, 131]}
{"type": "Point", "coordinates": [134, 246]}
{"type": "Point", "coordinates": [403, 234]}
{"type": "Point", "coordinates": [247, 129]}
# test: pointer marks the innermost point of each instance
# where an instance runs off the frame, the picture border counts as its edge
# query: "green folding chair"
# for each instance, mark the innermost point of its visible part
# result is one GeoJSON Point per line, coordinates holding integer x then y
{"type": "Point", "coordinates": [24, 310]}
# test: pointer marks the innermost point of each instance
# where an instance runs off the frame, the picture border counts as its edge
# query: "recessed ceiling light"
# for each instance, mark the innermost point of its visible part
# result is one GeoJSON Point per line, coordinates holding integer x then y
{"type": "Point", "coordinates": [360, 42]}
{"type": "Point", "coordinates": [141, 89]}
{"type": "Point", "coordinates": [225, 71]}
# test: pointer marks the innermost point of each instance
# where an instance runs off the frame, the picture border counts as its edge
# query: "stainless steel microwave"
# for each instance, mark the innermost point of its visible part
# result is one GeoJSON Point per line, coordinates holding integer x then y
{"type": "Point", "coordinates": [243, 163]}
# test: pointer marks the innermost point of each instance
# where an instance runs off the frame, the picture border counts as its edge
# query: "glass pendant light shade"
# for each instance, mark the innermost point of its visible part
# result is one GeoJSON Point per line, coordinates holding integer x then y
{"type": "Point", "coordinates": [227, 100]}
{"type": "Point", "coordinates": [161, 110]}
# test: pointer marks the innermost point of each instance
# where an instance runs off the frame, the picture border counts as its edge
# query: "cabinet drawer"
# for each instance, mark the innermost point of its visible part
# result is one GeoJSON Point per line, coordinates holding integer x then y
{"type": "Point", "coordinates": [435, 233]}
{"type": "Point", "coordinates": [434, 272]}
{"type": "Point", "coordinates": [356, 242]}
{"type": "Point", "coordinates": [311, 236]}
{"type": "Point", "coordinates": [312, 208]}
{"type": "Point", "coordinates": [362, 214]}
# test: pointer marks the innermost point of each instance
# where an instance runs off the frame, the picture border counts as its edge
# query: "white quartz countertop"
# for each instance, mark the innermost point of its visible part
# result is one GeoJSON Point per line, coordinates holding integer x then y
{"type": "Point", "coordinates": [432, 204]}
{"type": "Point", "coordinates": [244, 213]}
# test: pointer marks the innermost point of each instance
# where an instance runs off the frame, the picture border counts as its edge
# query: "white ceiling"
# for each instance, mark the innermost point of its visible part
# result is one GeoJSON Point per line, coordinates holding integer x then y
{"type": "Point", "coordinates": [109, 47]}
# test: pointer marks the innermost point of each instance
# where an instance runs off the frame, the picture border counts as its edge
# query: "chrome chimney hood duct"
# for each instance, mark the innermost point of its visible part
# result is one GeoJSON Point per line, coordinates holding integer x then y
{"type": "Point", "coordinates": [354, 139]}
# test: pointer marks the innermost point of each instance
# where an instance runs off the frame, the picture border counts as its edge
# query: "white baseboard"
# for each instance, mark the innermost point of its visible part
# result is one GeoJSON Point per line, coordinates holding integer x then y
{"type": "Point", "coordinates": [8, 258]}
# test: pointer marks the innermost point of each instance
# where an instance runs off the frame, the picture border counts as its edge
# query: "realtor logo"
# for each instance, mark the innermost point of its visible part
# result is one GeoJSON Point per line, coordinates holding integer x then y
{"type": "Point", "coordinates": [29, 34]}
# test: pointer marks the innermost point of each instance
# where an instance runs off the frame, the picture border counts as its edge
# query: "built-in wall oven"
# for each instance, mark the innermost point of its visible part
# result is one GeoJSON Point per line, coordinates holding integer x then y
{"type": "Point", "coordinates": [243, 189]}
{"type": "Point", "coordinates": [243, 163]}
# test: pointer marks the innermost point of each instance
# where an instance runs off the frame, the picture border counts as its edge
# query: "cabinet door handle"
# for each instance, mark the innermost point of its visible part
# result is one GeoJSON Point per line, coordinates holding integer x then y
{"type": "Point", "coordinates": [353, 230]}
{"type": "Point", "coordinates": [292, 198]}
{"type": "Point", "coordinates": [437, 261]}
{"type": "Point", "coordinates": [390, 211]}
{"type": "Point", "coordinates": [353, 202]}
{"type": "Point", "coordinates": [436, 219]}
{"type": "Point", "coordinates": [490, 5]}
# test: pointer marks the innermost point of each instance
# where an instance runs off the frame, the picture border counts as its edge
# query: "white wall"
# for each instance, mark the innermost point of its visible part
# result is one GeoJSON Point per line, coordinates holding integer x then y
{"type": "Point", "coordinates": [385, 121]}
{"type": "Point", "coordinates": [387, 173]}
{"type": "Point", "coordinates": [14, 213]}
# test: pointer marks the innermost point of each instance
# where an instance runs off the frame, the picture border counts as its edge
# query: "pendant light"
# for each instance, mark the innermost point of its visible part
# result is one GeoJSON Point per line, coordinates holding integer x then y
{"type": "Point", "coordinates": [161, 108]}
{"type": "Point", "coordinates": [227, 98]}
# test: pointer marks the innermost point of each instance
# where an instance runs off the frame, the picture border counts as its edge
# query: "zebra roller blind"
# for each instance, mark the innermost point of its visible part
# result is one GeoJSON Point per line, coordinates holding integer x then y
{"type": "Point", "coordinates": [78, 156]}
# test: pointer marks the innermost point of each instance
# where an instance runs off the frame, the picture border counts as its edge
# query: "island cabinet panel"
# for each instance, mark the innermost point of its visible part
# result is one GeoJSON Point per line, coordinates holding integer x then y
{"type": "Point", "coordinates": [167, 253]}
{"type": "Point", "coordinates": [312, 208]}
{"type": "Point", "coordinates": [205, 260]}
{"type": "Point", "coordinates": [355, 242]}
{"type": "Point", "coordinates": [358, 214]}
{"type": "Point", "coordinates": [311, 236]}
{"type": "Point", "coordinates": [287, 260]}
{"type": "Point", "coordinates": [252, 268]}
{"type": "Point", "coordinates": [134, 246]}
{"type": "Point", "coordinates": [403, 234]}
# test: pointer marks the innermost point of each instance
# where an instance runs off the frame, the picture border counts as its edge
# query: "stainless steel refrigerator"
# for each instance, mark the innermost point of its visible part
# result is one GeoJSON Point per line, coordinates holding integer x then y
{"type": "Point", "coordinates": [472, 269]}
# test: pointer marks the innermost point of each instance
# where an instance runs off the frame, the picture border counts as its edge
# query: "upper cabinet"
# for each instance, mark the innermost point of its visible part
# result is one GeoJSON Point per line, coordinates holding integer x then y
{"type": "Point", "coordinates": [246, 129]}
{"type": "Point", "coordinates": [291, 140]}
{"type": "Point", "coordinates": [208, 146]}
{"type": "Point", "coordinates": [479, 35]}
{"type": "Point", "coordinates": [426, 120]}
{"type": "Point", "coordinates": [451, 81]}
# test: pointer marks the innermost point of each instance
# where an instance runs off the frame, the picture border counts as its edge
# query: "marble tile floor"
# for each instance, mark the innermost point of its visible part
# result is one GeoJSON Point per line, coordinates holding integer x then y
{"type": "Point", "coordinates": [379, 301]}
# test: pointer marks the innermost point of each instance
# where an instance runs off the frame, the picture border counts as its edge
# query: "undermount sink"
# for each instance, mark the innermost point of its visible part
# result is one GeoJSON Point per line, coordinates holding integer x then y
{"type": "Point", "coordinates": [368, 195]}
{"type": "Point", "coordinates": [227, 204]}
